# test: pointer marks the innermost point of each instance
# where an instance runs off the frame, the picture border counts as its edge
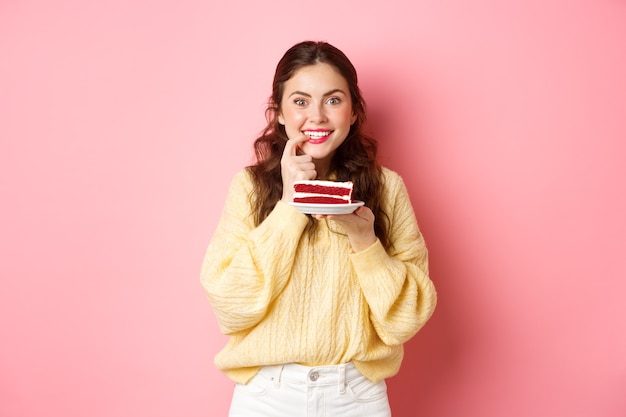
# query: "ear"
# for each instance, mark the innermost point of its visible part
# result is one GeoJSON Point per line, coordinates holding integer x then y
{"type": "Point", "coordinates": [353, 119]}
{"type": "Point", "coordinates": [281, 119]}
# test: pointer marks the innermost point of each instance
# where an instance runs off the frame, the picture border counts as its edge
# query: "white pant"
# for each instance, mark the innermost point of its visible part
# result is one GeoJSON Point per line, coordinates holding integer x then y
{"type": "Point", "coordinates": [301, 391]}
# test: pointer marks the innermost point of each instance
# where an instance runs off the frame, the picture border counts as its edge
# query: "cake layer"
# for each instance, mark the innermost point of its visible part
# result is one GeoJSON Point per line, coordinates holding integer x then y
{"type": "Point", "coordinates": [324, 188]}
{"type": "Point", "coordinates": [320, 199]}
{"type": "Point", "coordinates": [323, 192]}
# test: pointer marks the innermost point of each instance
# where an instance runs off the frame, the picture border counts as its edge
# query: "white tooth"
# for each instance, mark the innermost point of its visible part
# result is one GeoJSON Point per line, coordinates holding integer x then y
{"type": "Point", "coordinates": [317, 134]}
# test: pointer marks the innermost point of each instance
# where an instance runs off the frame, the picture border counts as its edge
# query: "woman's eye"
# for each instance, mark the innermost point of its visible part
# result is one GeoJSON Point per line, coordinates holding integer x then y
{"type": "Point", "coordinates": [299, 102]}
{"type": "Point", "coordinates": [334, 100]}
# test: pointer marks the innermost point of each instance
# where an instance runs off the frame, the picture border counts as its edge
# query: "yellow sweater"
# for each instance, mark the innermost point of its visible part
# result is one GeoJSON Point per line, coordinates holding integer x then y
{"type": "Point", "coordinates": [284, 295]}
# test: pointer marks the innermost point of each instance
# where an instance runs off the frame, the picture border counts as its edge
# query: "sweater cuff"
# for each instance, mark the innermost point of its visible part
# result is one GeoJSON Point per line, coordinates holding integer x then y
{"type": "Point", "coordinates": [370, 260]}
{"type": "Point", "coordinates": [286, 217]}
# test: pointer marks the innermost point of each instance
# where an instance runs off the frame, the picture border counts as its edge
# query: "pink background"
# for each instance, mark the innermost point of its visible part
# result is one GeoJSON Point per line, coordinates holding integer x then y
{"type": "Point", "coordinates": [121, 123]}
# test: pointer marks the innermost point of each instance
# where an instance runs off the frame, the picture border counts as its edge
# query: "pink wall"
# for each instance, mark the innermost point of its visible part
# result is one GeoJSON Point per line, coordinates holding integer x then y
{"type": "Point", "coordinates": [121, 123]}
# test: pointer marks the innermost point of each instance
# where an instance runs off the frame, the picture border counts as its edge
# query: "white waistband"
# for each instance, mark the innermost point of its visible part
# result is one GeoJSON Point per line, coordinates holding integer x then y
{"type": "Point", "coordinates": [317, 375]}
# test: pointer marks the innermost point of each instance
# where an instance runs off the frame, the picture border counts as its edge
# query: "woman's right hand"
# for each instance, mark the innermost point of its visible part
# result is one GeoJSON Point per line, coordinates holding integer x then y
{"type": "Point", "coordinates": [294, 167]}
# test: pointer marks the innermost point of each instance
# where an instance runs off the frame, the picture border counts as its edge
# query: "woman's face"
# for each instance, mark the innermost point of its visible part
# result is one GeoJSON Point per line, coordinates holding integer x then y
{"type": "Point", "coordinates": [316, 102]}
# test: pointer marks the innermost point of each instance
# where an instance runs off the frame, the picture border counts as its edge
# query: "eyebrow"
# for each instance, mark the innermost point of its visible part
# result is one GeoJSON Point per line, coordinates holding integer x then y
{"type": "Point", "coordinates": [302, 93]}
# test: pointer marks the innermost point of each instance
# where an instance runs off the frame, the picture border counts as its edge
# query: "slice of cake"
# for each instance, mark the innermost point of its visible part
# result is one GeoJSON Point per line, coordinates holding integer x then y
{"type": "Point", "coordinates": [322, 192]}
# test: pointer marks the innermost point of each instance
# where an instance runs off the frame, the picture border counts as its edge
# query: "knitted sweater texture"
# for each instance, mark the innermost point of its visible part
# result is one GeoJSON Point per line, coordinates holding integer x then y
{"type": "Point", "coordinates": [286, 293]}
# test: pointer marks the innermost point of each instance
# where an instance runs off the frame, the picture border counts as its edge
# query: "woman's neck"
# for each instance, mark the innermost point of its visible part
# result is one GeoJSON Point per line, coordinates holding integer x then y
{"type": "Point", "coordinates": [323, 169]}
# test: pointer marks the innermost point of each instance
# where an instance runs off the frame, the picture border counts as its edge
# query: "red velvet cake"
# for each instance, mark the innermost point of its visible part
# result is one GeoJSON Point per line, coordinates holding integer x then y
{"type": "Point", "coordinates": [322, 192]}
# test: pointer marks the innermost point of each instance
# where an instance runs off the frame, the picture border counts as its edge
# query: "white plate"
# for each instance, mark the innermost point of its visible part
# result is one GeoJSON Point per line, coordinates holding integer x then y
{"type": "Point", "coordinates": [307, 208]}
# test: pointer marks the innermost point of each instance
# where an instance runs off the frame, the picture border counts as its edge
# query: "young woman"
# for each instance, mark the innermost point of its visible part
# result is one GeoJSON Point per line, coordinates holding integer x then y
{"type": "Point", "coordinates": [317, 307]}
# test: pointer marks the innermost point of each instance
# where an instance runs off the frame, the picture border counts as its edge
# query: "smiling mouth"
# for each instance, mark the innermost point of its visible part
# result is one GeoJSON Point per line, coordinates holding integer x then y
{"type": "Point", "coordinates": [317, 134]}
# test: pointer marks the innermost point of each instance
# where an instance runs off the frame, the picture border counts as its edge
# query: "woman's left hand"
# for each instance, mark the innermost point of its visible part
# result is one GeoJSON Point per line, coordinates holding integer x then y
{"type": "Point", "coordinates": [359, 225]}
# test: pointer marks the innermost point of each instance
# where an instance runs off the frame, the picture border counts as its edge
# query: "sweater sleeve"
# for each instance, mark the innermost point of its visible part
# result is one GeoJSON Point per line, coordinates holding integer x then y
{"type": "Point", "coordinates": [246, 267]}
{"type": "Point", "coordinates": [395, 283]}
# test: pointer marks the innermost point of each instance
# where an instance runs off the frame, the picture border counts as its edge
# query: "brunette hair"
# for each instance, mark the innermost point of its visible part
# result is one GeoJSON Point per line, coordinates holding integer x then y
{"type": "Point", "coordinates": [354, 160]}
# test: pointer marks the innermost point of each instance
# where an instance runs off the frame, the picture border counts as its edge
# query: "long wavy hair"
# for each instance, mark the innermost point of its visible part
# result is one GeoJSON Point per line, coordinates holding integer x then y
{"type": "Point", "coordinates": [356, 158]}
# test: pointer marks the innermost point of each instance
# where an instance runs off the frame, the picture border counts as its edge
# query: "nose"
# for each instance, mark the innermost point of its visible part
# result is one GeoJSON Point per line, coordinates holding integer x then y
{"type": "Point", "coordinates": [317, 113]}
